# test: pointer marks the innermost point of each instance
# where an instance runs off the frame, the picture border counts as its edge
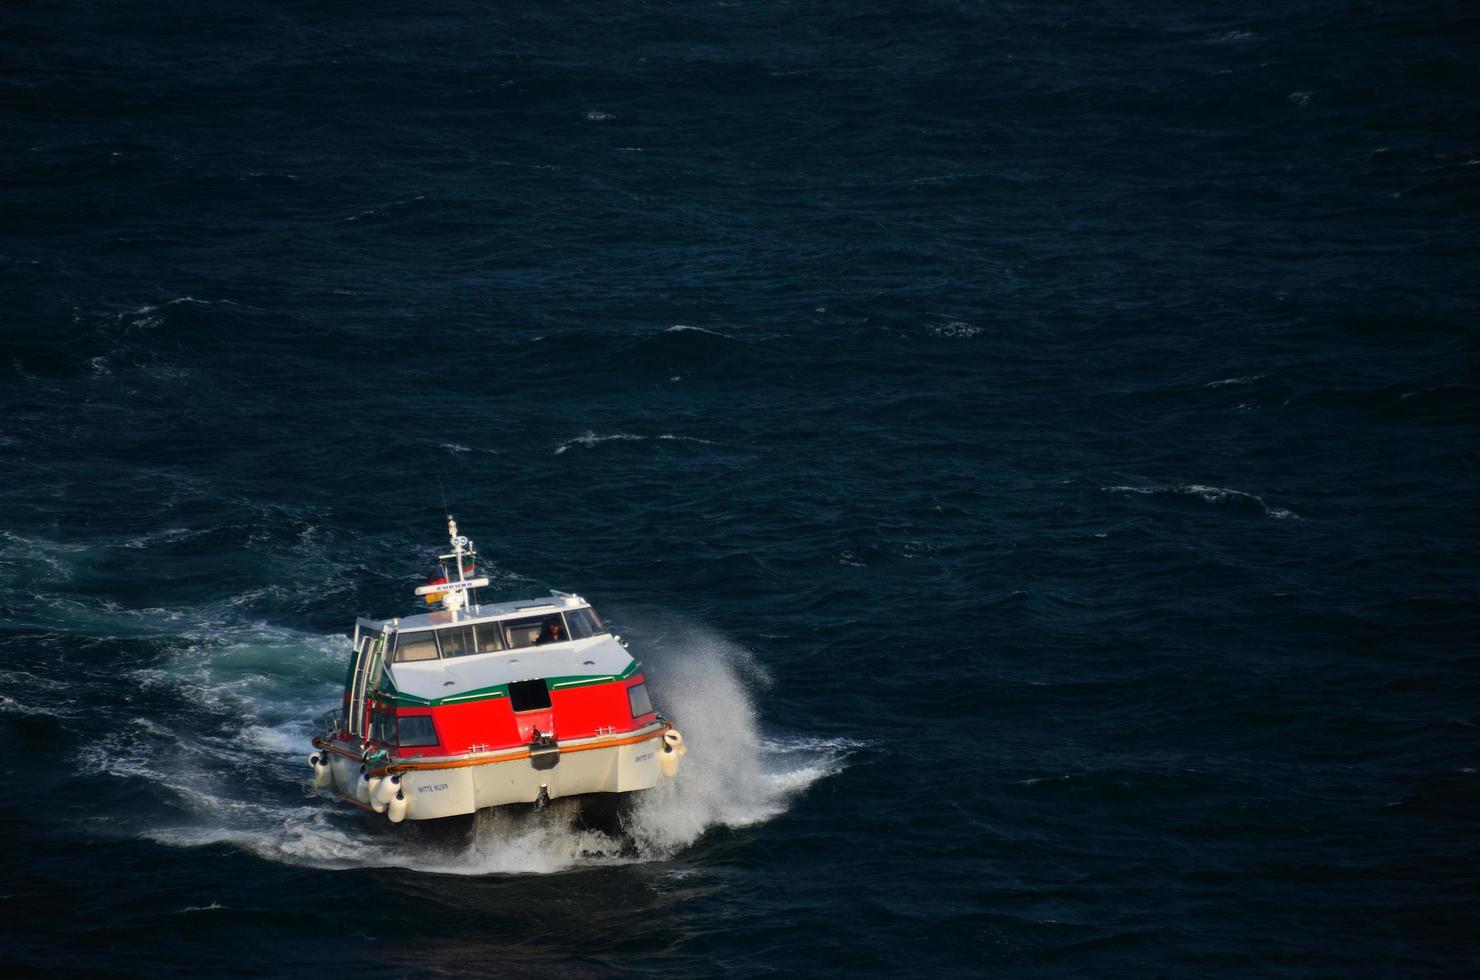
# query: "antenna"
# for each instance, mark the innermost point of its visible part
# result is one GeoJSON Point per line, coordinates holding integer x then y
{"type": "Point", "coordinates": [443, 492]}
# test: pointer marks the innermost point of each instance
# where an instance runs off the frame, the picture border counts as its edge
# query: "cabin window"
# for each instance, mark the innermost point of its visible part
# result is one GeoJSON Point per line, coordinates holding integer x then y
{"type": "Point", "coordinates": [584, 623]}
{"type": "Point", "coordinates": [637, 696]}
{"type": "Point", "coordinates": [415, 646]}
{"type": "Point", "coordinates": [534, 630]}
{"type": "Point", "coordinates": [416, 730]}
{"type": "Point", "coordinates": [529, 695]}
{"type": "Point", "coordinates": [457, 642]}
{"type": "Point", "coordinates": [490, 637]}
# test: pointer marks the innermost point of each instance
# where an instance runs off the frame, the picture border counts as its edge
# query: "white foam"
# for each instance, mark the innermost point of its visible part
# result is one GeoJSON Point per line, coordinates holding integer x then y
{"type": "Point", "coordinates": [1246, 380]}
{"type": "Point", "coordinates": [380, 209]}
{"type": "Point", "coordinates": [686, 328]}
{"type": "Point", "coordinates": [1213, 495]}
{"type": "Point", "coordinates": [1218, 495]}
{"type": "Point", "coordinates": [167, 536]}
{"type": "Point", "coordinates": [956, 328]}
{"type": "Point", "coordinates": [26, 554]}
{"type": "Point", "coordinates": [146, 310]}
{"type": "Point", "coordinates": [590, 438]}
{"type": "Point", "coordinates": [285, 739]}
{"type": "Point", "coordinates": [148, 318]}
{"type": "Point", "coordinates": [10, 706]}
{"type": "Point", "coordinates": [200, 908]}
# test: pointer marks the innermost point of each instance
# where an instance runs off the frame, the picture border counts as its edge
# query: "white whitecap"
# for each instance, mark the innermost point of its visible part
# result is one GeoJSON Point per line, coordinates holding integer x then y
{"type": "Point", "coordinates": [590, 438]}
{"type": "Point", "coordinates": [686, 328]}
{"type": "Point", "coordinates": [1224, 382]}
{"type": "Point", "coordinates": [1213, 495]}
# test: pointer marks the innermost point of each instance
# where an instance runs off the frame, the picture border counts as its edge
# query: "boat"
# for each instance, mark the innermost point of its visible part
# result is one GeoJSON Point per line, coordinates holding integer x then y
{"type": "Point", "coordinates": [470, 706]}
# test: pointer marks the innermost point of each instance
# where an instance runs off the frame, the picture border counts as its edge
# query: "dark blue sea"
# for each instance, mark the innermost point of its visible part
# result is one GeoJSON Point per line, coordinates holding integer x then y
{"type": "Point", "coordinates": [1032, 448]}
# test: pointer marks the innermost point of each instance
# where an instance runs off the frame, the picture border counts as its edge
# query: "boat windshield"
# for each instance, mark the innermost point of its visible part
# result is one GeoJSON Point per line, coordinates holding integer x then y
{"type": "Point", "coordinates": [415, 646]}
{"type": "Point", "coordinates": [455, 641]}
{"type": "Point", "coordinates": [506, 634]}
{"type": "Point", "coordinates": [584, 623]}
{"type": "Point", "coordinates": [534, 630]}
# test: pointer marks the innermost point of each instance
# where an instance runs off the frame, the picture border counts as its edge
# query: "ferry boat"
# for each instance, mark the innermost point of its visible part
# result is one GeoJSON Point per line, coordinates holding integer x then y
{"type": "Point", "coordinates": [471, 706]}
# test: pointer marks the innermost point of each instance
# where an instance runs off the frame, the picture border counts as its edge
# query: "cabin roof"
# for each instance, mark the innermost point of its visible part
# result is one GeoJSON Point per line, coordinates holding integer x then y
{"type": "Point", "coordinates": [580, 661]}
{"type": "Point", "coordinates": [482, 612]}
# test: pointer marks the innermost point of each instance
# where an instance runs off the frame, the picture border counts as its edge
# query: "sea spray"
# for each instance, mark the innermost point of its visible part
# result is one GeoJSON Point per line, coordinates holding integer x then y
{"type": "Point", "coordinates": [723, 780]}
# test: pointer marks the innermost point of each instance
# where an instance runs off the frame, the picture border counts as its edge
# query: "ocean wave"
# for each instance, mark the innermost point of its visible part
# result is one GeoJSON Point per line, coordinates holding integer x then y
{"type": "Point", "coordinates": [10, 706]}
{"type": "Point", "coordinates": [381, 210]}
{"type": "Point", "coordinates": [1221, 496]}
{"type": "Point", "coordinates": [590, 438]}
{"type": "Point", "coordinates": [686, 328]}
{"type": "Point", "coordinates": [151, 315]}
{"type": "Point", "coordinates": [214, 906]}
{"type": "Point", "coordinates": [167, 536]}
{"type": "Point", "coordinates": [24, 556]}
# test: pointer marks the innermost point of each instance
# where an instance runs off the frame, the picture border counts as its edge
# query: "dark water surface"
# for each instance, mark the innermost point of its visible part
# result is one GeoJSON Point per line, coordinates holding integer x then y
{"type": "Point", "coordinates": [1032, 447]}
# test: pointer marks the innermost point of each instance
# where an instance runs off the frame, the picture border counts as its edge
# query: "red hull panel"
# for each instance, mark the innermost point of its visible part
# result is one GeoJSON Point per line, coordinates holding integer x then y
{"type": "Point", "coordinates": [574, 712]}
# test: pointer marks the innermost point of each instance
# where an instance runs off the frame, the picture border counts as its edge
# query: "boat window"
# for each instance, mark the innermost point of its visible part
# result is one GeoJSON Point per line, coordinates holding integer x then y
{"type": "Point", "coordinates": [637, 697]}
{"type": "Point", "coordinates": [416, 730]}
{"type": "Point", "coordinates": [528, 632]}
{"type": "Point", "coordinates": [529, 695]}
{"type": "Point", "coordinates": [584, 623]}
{"type": "Point", "coordinates": [490, 637]}
{"type": "Point", "coordinates": [415, 646]}
{"type": "Point", "coordinates": [457, 642]}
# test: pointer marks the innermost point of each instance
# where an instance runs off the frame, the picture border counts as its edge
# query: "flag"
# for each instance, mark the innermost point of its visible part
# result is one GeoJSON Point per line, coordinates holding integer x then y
{"type": "Point", "coordinates": [436, 577]}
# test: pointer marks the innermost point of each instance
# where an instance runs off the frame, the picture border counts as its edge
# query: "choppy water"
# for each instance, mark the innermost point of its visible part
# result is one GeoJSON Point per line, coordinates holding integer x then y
{"type": "Point", "coordinates": [1032, 448]}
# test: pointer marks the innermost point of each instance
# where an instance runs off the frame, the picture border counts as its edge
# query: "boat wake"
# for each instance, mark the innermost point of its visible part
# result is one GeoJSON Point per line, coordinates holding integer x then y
{"type": "Point", "coordinates": [250, 787]}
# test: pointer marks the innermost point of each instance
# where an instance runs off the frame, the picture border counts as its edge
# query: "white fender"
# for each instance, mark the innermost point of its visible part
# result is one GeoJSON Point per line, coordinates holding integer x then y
{"type": "Point", "coordinates": [362, 787]}
{"type": "Point", "coordinates": [313, 761]}
{"type": "Point", "coordinates": [673, 750]}
{"type": "Point", "coordinates": [371, 785]}
{"type": "Point", "coordinates": [387, 790]}
{"type": "Point", "coordinates": [323, 773]}
{"type": "Point", "coordinates": [396, 808]}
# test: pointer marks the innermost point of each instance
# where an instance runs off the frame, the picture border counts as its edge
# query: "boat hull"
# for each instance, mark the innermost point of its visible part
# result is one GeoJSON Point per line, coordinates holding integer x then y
{"type": "Point", "coordinates": [459, 785]}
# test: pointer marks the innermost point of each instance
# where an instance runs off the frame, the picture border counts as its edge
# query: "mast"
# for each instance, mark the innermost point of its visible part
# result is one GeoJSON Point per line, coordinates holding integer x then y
{"type": "Point", "coordinates": [458, 543]}
{"type": "Point", "coordinates": [454, 593]}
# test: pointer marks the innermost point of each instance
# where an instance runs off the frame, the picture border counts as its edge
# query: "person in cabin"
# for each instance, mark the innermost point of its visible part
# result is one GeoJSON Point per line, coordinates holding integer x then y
{"type": "Point", "coordinates": [552, 633]}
